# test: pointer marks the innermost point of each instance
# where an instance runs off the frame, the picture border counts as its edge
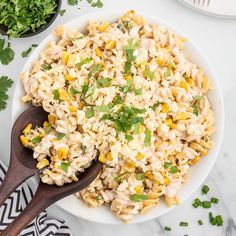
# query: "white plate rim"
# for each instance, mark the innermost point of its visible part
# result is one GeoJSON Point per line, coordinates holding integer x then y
{"type": "Point", "coordinates": [17, 108]}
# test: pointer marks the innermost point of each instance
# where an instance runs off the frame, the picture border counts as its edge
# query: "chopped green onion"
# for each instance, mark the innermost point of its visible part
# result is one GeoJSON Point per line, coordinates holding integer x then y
{"type": "Point", "coordinates": [99, 197]}
{"type": "Point", "coordinates": [65, 165]}
{"type": "Point", "coordinates": [56, 94]}
{"type": "Point", "coordinates": [138, 197]}
{"type": "Point", "coordinates": [195, 110]}
{"type": "Point", "coordinates": [62, 12]}
{"type": "Point", "coordinates": [140, 176]}
{"type": "Point", "coordinates": [85, 88]}
{"type": "Point", "coordinates": [214, 200]}
{"type": "Point", "coordinates": [167, 228]}
{"type": "Point", "coordinates": [155, 105]}
{"type": "Point", "coordinates": [128, 137]}
{"type": "Point", "coordinates": [138, 92]}
{"type": "Point", "coordinates": [36, 140]}
{"type": "Point", "coordinates": [212, 219]}
{"type": "Point", "coordinates": [183, 224]}
{"type": "Point", "coordinates": [104, 82]}
{"type": "Point", "coordinates": [173, 169]}
{"type": "Point", "coordinates": [118, 100]}
{"type": "Point", "coordinates": [89, 113]}
{"type": "Point", "coordinates": [147, 139]}
{"type": "Point", "coordinates": [48, 129]}
{"type": "Point", "coordinates": [200, 222]}
{"type": "Point", "coordinates": [167, 165]}
{"type": "Point", "coordinates": [196, 203]}
{"type": "Point", "coordinates": [205, 189]}
{"type": "Point", "coordinates": [219, 220]}
{"type": "Point", "coordinates": [206, 204]}
{"type": "Point", "coordinates": [45, 67]}
{"type": "Point", "coordinates": [60, 136]}
{"type": "Point", "coordinates": [149, 73]}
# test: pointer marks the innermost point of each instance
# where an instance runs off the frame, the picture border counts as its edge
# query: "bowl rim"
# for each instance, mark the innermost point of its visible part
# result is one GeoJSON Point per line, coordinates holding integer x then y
{"type": "Point", "coordinates": [30, 33]}
{"type": "Point", "coordinates": [158, 21]}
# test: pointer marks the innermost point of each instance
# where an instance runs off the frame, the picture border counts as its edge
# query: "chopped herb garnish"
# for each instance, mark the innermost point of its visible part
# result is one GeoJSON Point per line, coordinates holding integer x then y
{"type": "Point", "coordinates": [167, 165]}
{"type": "Point", "coordinates": [138, 197]}
{"type": "Point", "coordinates": [45, 67]}
{"type": "Point", "coordinates": [196, 203]}
{"type": "Point", "coordinates": [73, 91]}
{"type": "Point", "coordinates": [128, 87]}
{"type": "Point", "coordinates": [94, 69]}
{"type": "Point", "coordinates": [118, 100]}
{"type": "Point", "coordinates": [89, 113]}
{"type": "Point", "coordinates": [5, 84]}
{"type": "Point", "coordinates": [127, 25]}
{"type": "Point", "coordinates": [36, 140]}
{"type": "Point", "coordinates": [147, 139]}
{"type": "Point", "coordinates": [149, 73]}
{"type": "Point", "coordinates": [155, 105]}
{"type": "Point", "coordinates": [219, 220]}
{"type": "Point", "coordinates": [72, 2]}
{"type": "Point", "coordinates": [205, 189]}
{"type": "Point", "coordinates": [95, 3]}
{"type": "Point", "coordinates": [104, 108]}
{"type": "Point", "coordinates": [167, 228]}
{"type": "Point", "coordinates": [200, 222]}
{"type": "Point", "coordinates": [167, 73]}
{"type": "Point", "coordinates": [56, 94]}
{"type": "Point", "coordinates": [48, 129]}
{"type": "Point", "coordinates": [119, 178]}
{"type": "Point", "coordinates": [6, 53]}
{"type": "Point", "coordinates": [104, 82]}
{"type": "Point", "coordinates": [138, 92]}
{"type": "Point", "coordinates": [65, 165]}
{"type": "Point", "coordinates": [83, 62]}
{"type": "Point", "coordinates": [198, 97]}
{"type": "Point", "coordinates": [99, 197]}
{"type": "Point", "coordinates": [28, 51]}
{"type": "Point", "coordinates": [60, 136]}
{"type": "Point", "coordinates": [85, 89]}
{"type": "Point", "coordinates": [83, 148]}
{"type": "Point", "coordinates": [173, 169]}
{"type": "Point", "coordinates": [214, 200]}
{"type": "Point", "coordinates": [140, 176]}
{"type": "Point", "coordinates": [206, 204]}
{"type": "Point", "coordinates": [128, 137]}
{"type": "Point", "coordinates": [129, 50]}
{"type": "Point", "coordinates": [62, 12]}
{"type": "Point", "coordinates": [195, 110]}
{"type": "Point", "coordinates": [183, 224]}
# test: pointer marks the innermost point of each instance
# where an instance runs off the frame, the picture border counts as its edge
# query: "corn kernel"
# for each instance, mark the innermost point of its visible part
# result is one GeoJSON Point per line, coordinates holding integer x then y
{"type": "Point", "coordinates": [194, 160]}
{"type": "Point", "coordinates": [110, 45]}
{"type": "Point", "coordinates": [24, 140]}
{"type": "Point", "coordinates": [63, 95]}
{"type": "Point", "coordinates": [42, 163]}
{"type": "Point", "coordinates": [61, 153]}
{"type": "Point", "coordinates": [98, 52]}
{"type": "Point", "coordinates": [102, 158]}
{"type": "Point", "coordinates": [81, 105]}
{"type": "Point", "coordinates": [69, 78]}
{"type": "Point", "coordinates": [183, 84]}
{"type": "Point", "coordinates": [51, 119]}
{"type": "Point", "coordinates": [203, 152]}
{"type": "Point", "coordinates": [71, 60]}
{"type": "Point", "coordinates": [161, 62]}
{"type": "Point", "coordinates": [103, 65]}
{"type": "Point", "coordinates": [138, 189]}
{"type": "Point", "coordinates": [141, 129]}
{"type": "Point", "coordinates": [166, 181]}
{"type": "Point", "coordinates": [181, 116]}
{"type": "Point", "coordinates": [127, 77]}
{"type": "Point", "coordinates": [168, 49]}
{"type": "Point", "coordinates": [45, 124]}
{"type": "Point", "coordinates": [173, 126]}
{"type": "Point", "coordinates": [72, 109]}
{"type": "Point", "coordinates": [27, 129]}
{"type": "Point", "coordinates": [65, 56]}
{"type": "Point", "coordinates": [205, 84]}
{"type": "Point", "coordinates": [129, 166]}
{"type": "Point", "coordinates": [149, 175]}
{"type": "Point", "coordinates": [169, 121]}
{"type": "Point", "coordinates": [165, 108]}
{"type": "Point", "coordinates": [103, 27]}
{"type": "Point", "coordinates": [139, 156]}
{"type": "Point", "coordinates": [190, 81]}
{"type": "Point", "coordinates": [109, 156]}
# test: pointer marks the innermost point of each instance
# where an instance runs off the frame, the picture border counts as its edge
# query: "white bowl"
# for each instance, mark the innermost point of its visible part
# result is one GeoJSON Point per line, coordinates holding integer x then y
{"type": "Point", "coordinates": [197, 173]}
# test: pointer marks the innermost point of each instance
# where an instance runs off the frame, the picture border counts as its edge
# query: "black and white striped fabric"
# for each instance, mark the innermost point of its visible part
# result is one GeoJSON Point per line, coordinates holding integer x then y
{"type": "Point", "coordinates": [41, 226]}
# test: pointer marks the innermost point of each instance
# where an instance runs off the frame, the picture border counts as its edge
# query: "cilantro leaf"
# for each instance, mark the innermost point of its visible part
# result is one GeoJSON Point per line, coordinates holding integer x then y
{"type": "Point", "coordinates": [95, 68]}
{"type": "Point", "coordinates": [97, 3]}
{"type": "Point", "coordinates": [73, 91]}
{"type": "Point", "coordinates": [62, 12]}
{"type": "Point", "coordinates": [83, 62]}
{"type": "Point", "coordinates": [104, 82]}
{"type": "Point", "coordinates": [72, 2]}
{"type": "Point", "coordinates": [60, 136]}
{"type": "Point", "coordinates": [138, 197]}
{"type": "Point", "coordinates": [5, 84]}
{"type": "Point", "coordinates": [6, 54]}
{"type": "Point", "coordinates": [195, 110]}
{"type": "Point", "coordinates": [89, 113]}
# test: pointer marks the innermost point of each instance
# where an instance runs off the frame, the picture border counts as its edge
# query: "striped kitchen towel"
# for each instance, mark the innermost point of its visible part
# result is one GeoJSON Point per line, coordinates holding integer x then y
{"type": "Point", "coordinates": [41, 226]}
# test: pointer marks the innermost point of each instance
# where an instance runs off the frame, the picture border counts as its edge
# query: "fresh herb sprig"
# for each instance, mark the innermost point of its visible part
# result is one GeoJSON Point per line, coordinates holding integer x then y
{"type": "Point", "coordinates": [5, 84]}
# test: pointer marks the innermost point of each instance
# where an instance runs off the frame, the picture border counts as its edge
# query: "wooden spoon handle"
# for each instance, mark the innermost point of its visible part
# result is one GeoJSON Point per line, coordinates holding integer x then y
{"type": "Point", "coordinates": [38, 203]}
{"type": "Point", "coordinates": [16, 174]}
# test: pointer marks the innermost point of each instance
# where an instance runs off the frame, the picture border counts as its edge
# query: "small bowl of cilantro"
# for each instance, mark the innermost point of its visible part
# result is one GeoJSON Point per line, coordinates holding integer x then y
{"type": "Point", "coordinates": [25, 18]}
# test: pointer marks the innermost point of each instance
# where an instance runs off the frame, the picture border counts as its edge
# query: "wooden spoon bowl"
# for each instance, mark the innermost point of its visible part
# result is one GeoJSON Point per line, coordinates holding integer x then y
{"type": "Point", "coordinates": [22, 166]}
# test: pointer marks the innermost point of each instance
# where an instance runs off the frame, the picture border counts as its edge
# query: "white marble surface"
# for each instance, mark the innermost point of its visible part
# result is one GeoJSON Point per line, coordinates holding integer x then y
{"type": "Point", "coordinates": [217, 39]}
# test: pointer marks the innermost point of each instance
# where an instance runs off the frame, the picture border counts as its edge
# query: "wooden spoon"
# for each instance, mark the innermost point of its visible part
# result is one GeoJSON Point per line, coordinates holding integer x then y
{"type": "Point", "coordinates": [22, 166]}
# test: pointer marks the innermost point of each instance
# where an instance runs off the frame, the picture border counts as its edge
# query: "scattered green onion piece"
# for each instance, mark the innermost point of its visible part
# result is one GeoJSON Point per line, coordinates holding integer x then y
{"type": "Point", "coordinates": [206, 204]}
{"type": "Point", "coordinates": [183, 224]}
{"type": "Point", "coordinates": [147, 139]}
{"type": "Point", "coordinates": [167, 228]}
{"type": "Point", "coordinates": [89, 113]}
{"type": "Point", "coordinates": [73, 91]}
{"type": "Point", "coordinates": [128, 137]}
{"type": "Point", "coordinates": [173, 169]}
{"type": "Point", "coordinates": [65, 165]}
{"type": "Point", "coordinates": [45, 67]}
{"type": "Point", "coordinates": [138, 197]}
{"type": "Point", "coordinates": [200, 222]}
{"type": "Point", "coordinates": [140, 176]}
{"type": "Point", "coordinates": [214, 200]}
{"type": "Point", "coordinates": [219, 220]}
{"type": "Point", "coordinates": [167, 165]}
{"type": "Point", "coordinates": [56, 94]}
{"type": "Point", "coordinates": [60, 136]}
{"type": "Point", "coordinates": [36, 140]}
{"type": "Point", "coordinates": [205, 189]}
